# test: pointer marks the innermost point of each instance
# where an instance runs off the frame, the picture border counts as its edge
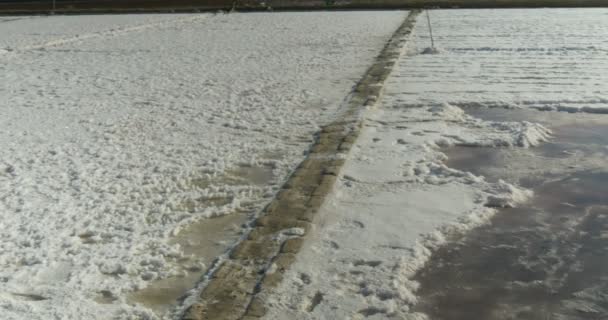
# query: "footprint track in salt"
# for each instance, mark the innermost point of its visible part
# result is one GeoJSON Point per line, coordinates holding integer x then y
{"type": "Point", "coordinates": [371, 311]}
{"type": "Point", "coordinates": [370, 263]}
{"type": "Point", "coordinates": [114, 144]}
{"type": "Point", "coordinates": [30, 297]}
{"type": "Point", "coordinates": [315, 301]}
{"type": "Point", "coordinates": [305, 278]}
{"type": "Point", "coordinates": [358, 224]}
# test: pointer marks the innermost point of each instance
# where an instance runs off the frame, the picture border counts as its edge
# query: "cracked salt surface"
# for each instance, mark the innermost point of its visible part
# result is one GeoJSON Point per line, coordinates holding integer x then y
{"type": "Point", "coordinates": [545, 259]}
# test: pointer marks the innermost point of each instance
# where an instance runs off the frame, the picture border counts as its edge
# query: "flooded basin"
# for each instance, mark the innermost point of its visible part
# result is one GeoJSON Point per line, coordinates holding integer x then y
{"type": "Point", "coordinates": [548, 258]}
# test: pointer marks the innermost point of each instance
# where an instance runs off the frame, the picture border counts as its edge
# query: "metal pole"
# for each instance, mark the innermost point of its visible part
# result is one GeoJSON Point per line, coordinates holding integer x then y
{"type": "Point", "coordinates": [428, 20]}
{"type": "Point", "coordinates": [54, 5]}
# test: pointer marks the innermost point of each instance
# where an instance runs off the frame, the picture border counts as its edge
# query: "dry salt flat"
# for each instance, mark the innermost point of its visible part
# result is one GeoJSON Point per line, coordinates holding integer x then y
{"type": "Point", "coordinates": [396, 199]}
{"type": "Point", "coordinates": [549, 59]}
{"type": "Point", "coordinates": [119, 131]}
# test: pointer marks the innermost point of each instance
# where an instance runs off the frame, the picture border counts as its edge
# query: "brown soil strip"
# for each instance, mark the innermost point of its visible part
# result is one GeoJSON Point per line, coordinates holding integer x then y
{"type": "Point", "coordinates": [259, 262]}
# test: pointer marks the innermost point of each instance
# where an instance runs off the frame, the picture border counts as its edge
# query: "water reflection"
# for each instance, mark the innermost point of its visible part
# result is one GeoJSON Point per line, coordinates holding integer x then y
{"type": "Point", "coordinates": [544, 260]}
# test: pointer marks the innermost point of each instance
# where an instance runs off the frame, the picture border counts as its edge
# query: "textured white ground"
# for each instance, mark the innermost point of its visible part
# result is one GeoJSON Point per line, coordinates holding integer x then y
{"type": "Point", "coordinates": [396, 199]}
{"type": "Point", "coordinates": [40, 31]}
{"type": "Point", "coordinates": [116, 131]}
{"type": "Point", "coordinates": [546, 59]}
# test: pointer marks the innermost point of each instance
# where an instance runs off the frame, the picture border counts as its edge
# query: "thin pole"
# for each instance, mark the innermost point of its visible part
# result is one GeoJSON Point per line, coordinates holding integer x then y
{"type": "Point", "coordinates": [428, 20]}
{"type": "Point", "coordinates": [54, 5]}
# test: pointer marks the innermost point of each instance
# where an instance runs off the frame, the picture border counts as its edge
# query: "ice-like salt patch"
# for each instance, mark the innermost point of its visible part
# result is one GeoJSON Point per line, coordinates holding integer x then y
{"type": "Point", "coordinates": [448, 112]}
{"type": "Point", "coordinates": [496, 133]}
{"type": "Point", "coordinates": [507, 195]}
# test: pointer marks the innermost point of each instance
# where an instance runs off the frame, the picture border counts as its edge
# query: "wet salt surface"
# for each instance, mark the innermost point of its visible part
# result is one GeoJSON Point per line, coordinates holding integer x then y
{"type": "Point", "coordinates": [203, 242]}
{"type": "Point", "coordinates": [546, 259]}
{"type": "Point", "coordinates": [578, 131]}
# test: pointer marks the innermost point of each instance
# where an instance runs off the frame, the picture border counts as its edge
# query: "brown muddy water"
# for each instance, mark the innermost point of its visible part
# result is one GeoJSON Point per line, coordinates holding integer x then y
{"type": "Point", "coordinates": [547, 259]}
{"type": "Point", "coordinates": [204, 241]}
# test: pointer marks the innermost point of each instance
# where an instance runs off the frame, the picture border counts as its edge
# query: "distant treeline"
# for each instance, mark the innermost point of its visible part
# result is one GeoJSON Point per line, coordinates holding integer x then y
{"type": "Point", "coordinates": [94, 6]}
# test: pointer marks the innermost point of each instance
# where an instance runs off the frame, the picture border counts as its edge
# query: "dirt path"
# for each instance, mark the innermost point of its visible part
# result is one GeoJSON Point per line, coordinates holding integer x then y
{"type": "Point", "coordinates": [258, 263]}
